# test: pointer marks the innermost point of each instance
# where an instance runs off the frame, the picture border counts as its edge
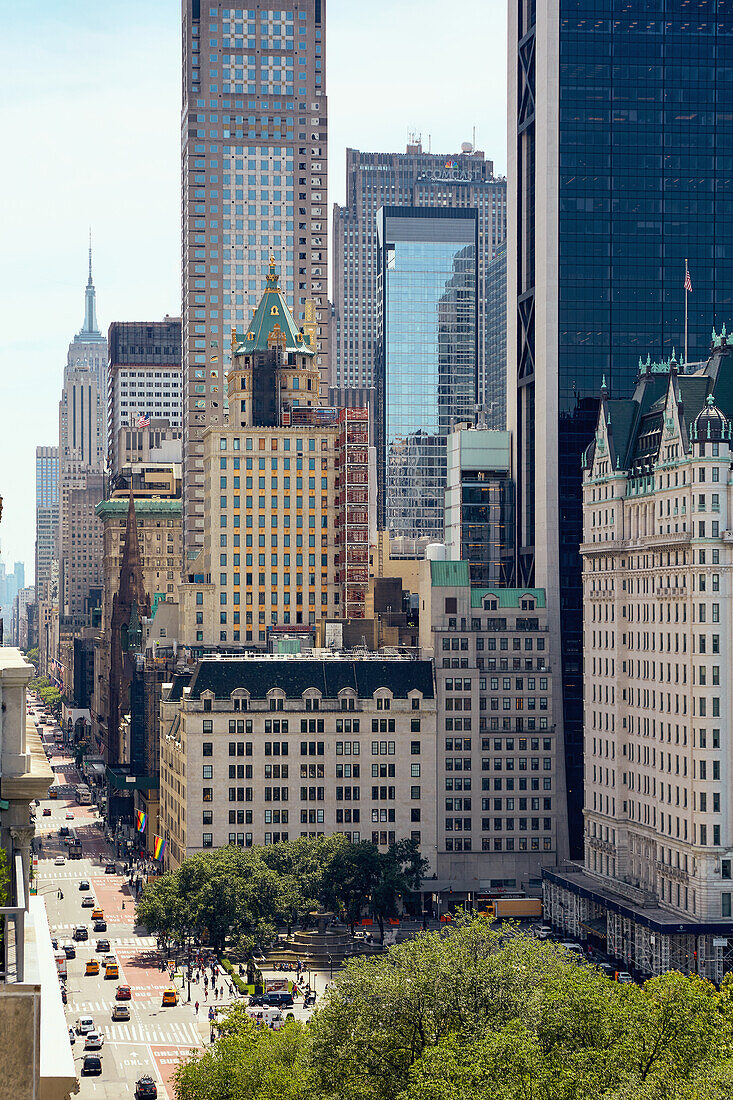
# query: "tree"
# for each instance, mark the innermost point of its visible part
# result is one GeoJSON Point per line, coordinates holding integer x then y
{"type": "Point", "coordinates": [484, 1016]}
{"type": "Point", "coordinates": [401, 870]}
{"type": "Point", "coordinates": [248, 1063]}
{"type": "Point", "coordinates": [349, 878]}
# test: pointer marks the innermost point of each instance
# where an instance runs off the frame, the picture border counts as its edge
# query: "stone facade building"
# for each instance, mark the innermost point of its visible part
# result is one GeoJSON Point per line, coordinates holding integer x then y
{"type": "Point", "coordinates": [656, 884]}
{"type": "Point", "coordinates": [257, 750]}
{"type": "Point", "coordinates": [500, 779]}
{"type": "Point", "coordinates": [286, 501]}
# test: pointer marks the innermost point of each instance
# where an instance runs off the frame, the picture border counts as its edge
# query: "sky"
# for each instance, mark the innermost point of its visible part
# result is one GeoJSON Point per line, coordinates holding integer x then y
{"type": "Point", "coordinates": [90, 119]}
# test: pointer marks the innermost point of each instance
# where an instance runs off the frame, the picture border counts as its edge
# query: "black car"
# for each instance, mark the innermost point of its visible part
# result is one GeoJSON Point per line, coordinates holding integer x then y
{"type": "Point", "coordinates": [69, 951]}
{"type": "Point", "coordinates": [64, 995]}
{"type": "Point", "coordinates": [91, 1066]}
{"type": "Point", "coordinates": [110, 869]}
{"type": "Point", "coordinates": [278, 999]}
{"type": "Point", "coordinates": [64, 830]}
{"type": "Point", "coordinates": [100, 926]}
{"type": "Point", "coordinates": [84, 885]}
{"type": "Point", "coordinates": [81, 932]}
{"type": "Point", "coordinates": [146, 1088]}
{"type": "Point", "coordinates": [102, 945]}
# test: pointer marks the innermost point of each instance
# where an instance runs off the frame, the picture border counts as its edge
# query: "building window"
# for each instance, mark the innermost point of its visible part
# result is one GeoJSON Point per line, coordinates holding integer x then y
{"type": "Point", "coordinates": [207, 840]}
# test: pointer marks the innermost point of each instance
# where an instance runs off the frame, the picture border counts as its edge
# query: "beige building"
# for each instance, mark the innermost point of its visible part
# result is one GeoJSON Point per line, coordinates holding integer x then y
{"type": "Point", "coordinates": [499, 764]}
{"type": "Point", "coordinates": [656, 885]}
{"type": "Point", "coordinates": [286, 497]}
{"type": "Point", "coordinates": [255, 750]}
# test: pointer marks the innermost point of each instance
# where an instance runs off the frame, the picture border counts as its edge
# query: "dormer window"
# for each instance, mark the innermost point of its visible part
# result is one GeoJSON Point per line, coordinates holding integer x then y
{"type": "Point", "coordinates": [491, 604]}
{"type": "Point", "coordinates": [208, 698]}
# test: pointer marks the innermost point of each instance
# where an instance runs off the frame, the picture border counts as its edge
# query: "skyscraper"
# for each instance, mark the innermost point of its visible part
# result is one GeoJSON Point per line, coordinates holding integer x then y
{"type": "Point", "coordinates": [144, 378]}
{"type": "Point", "coordinates": [616, 124]}
{"type": "Point", "coordinates": [81, 465]}
{"type": "Point", "coordinates": [428, 350]}
{"type": "Point", "coordinates": [412, 178]}
{"type": "Point", "coordinates": [47, 518]}
{"type": "Point", "coordinates": [254, 177]}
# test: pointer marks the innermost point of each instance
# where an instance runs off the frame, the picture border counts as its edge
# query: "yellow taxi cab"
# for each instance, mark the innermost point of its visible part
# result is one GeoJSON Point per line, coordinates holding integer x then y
{"type": "Point", "coordinates": [92, 966]}
{"type": "Point", "coordinates": [53, 793]}
{"type": "Point", "coordinates": [97, 914]}
{"type": "Point", "coordinates": [170, 996]}
{"type": "Point", "coordinates": [111, 970]}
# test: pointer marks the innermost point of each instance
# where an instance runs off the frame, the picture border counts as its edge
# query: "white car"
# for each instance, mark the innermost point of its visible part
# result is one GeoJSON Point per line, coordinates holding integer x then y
{"type": "Point", "coordinates": [69, 815]}
{"type": "Point", "coordinates": [94, 1040]}
{"type": "Point", "coordinates": [624, 978]}
{"type": "Point", "coordinates": [544, 932]}
{"type": "Point", "coordinates": [84, 1025]}
{"type": "Point", "coordinates": [59, 861]}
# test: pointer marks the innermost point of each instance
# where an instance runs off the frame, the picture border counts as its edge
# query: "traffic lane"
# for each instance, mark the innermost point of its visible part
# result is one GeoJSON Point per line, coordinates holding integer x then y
{"type": "Point", "coordinates": [143, 973]}
{"type": "Point", "coordinates": [167, 1059]}
{"type": "Point", "coordinates": [112, 893]}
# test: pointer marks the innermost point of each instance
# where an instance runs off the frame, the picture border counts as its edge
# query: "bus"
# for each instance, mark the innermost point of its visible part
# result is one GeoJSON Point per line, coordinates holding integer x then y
{"type": "Point", "coordinates": [83, 794]}
{"type": "Point", "coordinates": [61, 964]}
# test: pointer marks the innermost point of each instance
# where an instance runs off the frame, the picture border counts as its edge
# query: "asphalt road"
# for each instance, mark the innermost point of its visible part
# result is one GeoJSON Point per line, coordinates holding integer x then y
{"type": "Point", "coordinates": [155, 1038]}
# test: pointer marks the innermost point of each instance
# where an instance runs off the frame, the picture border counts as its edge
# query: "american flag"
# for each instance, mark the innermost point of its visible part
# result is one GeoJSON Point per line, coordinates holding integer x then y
{"type": "Point", "coordinates": [143, 421]}
{"type": "Point", "coordinates": [688, 280]}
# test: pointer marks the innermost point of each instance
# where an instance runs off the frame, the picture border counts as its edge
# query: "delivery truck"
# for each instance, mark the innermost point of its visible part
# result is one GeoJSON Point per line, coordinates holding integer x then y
{"type": "Point", "coordinates": [514, 908]}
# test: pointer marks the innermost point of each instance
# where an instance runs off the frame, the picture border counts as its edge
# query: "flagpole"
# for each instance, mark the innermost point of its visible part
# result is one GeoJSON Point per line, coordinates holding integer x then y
{"type": "Point", "coordinates": [686, 295]}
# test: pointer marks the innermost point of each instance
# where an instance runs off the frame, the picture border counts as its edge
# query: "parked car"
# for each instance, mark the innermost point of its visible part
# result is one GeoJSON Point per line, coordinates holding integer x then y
{"type": "Point", "coordinates": [573, 948]}
{"type": "Point", "coordinates": [624, 977]}
{"type": "Point", "coordinates": [69, 951]}
{"type": "Point", "coordinates": [607, 969]}
{"type": "Point", "coordinates": [146, 1088]}
{"type": "Point", "coordinates": [120, 1012]}
{"type": "Point", "coordinates": [91, 1066]}
{"type": "Point", "coordinates": [84, 1025]}
{"type": "Point", "coordinates": [544, 932]}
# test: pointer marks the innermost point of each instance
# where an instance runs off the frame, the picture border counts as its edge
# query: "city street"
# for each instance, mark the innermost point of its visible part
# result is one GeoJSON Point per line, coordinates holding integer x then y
{"type": "Point", "coordinates": [155, 1038]}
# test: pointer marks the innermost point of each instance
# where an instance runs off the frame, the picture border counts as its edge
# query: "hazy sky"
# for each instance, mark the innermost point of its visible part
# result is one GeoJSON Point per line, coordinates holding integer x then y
{"type": "Point", "coordinates": [91, 120]}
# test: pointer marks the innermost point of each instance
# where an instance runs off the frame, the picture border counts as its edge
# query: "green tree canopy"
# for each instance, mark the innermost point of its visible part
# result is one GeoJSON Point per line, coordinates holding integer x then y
{"type": "Point", "coordinates": [470, 1014]}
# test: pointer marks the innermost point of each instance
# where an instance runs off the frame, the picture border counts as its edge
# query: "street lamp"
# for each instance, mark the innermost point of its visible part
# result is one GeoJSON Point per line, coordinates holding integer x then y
{"type": "Point", "coordinates": [330, 964]}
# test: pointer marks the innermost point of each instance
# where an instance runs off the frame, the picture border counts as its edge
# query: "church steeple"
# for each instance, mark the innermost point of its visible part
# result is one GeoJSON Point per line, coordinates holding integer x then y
{"type": "Point", "coordinates": [90, 326]}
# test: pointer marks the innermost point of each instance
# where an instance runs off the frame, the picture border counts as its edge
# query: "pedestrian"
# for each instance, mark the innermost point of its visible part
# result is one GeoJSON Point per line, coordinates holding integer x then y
{"type": "Point", "coordinates": [59, 895]}
{"type": "Point", "coordinates": [196, 1008]}
{"type": "Point", "coordinates": [211, 1037]}
{"type": "Point", "coordinates": [206, 994]}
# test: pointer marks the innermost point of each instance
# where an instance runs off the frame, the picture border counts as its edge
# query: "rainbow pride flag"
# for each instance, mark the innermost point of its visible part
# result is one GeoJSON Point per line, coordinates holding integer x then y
{"type": "Point", "coordinates": [142, 820]}
{"type": "Point", "coordinates": [158, 847]}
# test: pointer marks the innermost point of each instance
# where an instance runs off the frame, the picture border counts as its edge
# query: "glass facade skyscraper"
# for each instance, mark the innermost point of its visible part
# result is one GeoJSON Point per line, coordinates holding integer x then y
{"type": "Point", "coordinates": [620, 127]}
{"type": "Point", "coordinates": [413, 178]}
{"type": "Point", "coordinates": [427, 327]}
